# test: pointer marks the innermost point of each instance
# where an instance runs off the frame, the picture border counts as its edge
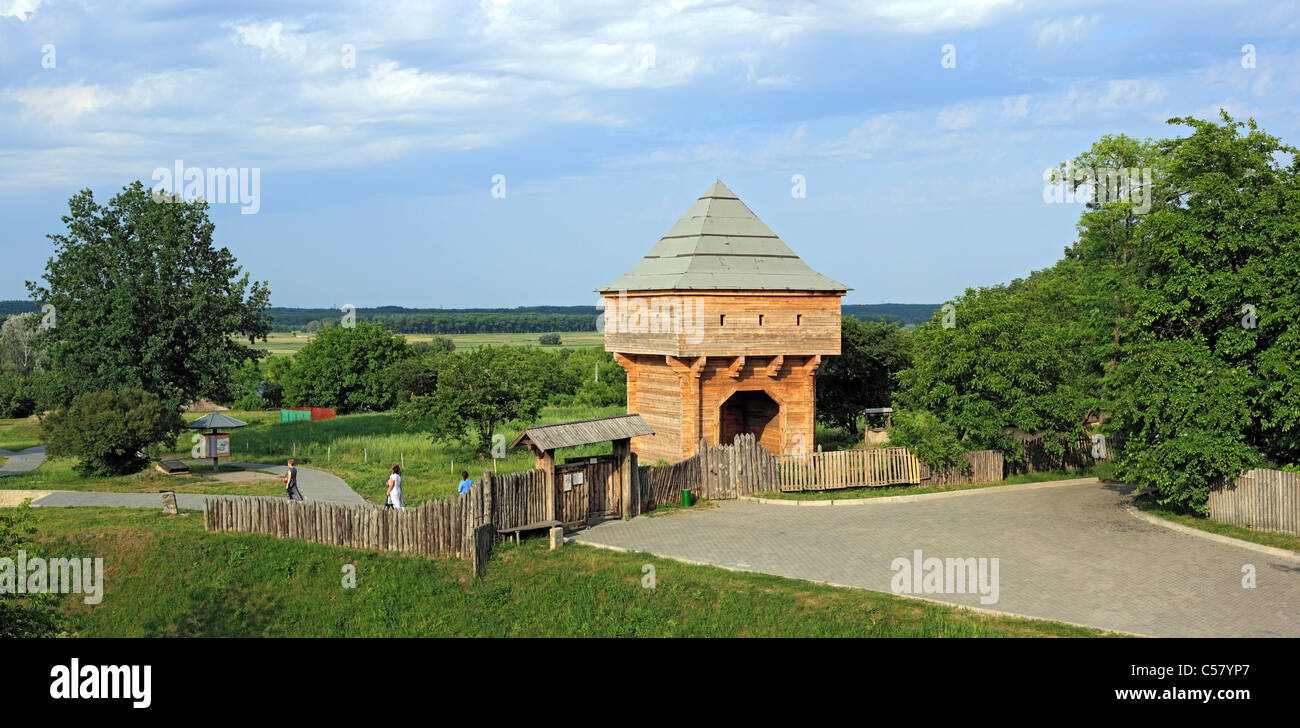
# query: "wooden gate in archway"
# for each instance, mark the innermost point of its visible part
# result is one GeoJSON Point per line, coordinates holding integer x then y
{"type": "Point", "coordinates": [590, 488]}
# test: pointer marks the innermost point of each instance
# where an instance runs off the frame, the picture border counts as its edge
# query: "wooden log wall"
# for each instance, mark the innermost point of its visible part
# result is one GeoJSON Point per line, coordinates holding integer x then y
{"type": "Point", "coordinates": [518, 499]}
{"type": "Point", "coordinates": [482, 547]}
{"type": "Point", "coordinates": [435, 528]}
{"type": "Point", "coordinates": [1262, 499]}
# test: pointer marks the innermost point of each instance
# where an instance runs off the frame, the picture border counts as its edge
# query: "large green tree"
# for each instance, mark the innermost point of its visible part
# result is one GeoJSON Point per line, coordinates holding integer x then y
{"type": "Point", "coordinates": [862, 376]}
{"type": "Point", "coordinates": [1208, 382]}
{"type": "Point", "coordinates": [1010, 359]}
{"type": "Point", "coordinates": [142, 297]}
{"type": "Point", "coordinates": [346, 367]}
{"type": "Point", "coordinates": [478, 391]}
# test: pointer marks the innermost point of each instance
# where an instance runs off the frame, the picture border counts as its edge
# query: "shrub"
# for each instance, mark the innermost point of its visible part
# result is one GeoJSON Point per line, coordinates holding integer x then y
{"type": "Point", "coordinates": [109, 430]}
{"type": "Point", "coordinates": [549, 340]}
{"type": "Point", "coordinates": [933, 442]}
{"type": "Point", "coordinates": [437, 345]}
{"type": "Point", "coordinates": [24, 615]}
{"type": "Point", "coordinates": [273, 393]}
{"type": "Point", "coordinates": [250, 403]}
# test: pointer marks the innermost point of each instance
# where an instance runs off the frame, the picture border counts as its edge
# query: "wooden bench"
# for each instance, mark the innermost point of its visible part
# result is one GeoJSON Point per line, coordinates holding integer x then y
{"type": "Point", "coordinates": [516, 530]}
{"type": "Point", "coordinates": [172, 466]}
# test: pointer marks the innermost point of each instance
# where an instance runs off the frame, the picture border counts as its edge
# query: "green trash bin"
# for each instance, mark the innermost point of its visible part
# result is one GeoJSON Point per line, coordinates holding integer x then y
{"type": "Point", "coordinates": [686, 498]}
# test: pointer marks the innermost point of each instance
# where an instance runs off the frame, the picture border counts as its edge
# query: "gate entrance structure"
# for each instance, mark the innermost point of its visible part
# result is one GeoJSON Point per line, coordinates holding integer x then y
{"type": "Point", "coordinates": [721, 329]}
{"type": "Point", "coordinates": [587, 489]}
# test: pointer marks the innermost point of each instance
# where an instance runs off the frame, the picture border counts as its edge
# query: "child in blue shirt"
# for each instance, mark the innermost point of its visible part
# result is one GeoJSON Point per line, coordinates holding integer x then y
{"type": "Point", "coordinates": [465, 483]}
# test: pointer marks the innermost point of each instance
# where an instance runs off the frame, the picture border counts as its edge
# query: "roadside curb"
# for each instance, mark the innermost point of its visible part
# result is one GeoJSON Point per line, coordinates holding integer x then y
{"type": "Point", "coordinates": [1216, 537]}
{"type": "Point", "coordinates": [921, 496]}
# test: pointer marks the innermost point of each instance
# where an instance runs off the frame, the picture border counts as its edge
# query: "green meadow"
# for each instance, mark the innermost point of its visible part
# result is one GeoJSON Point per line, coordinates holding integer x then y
{"type": "Point", "coordinates": [287, 344]}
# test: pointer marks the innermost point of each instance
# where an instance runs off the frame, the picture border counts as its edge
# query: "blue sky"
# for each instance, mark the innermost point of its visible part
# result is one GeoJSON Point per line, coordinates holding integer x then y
{"type": "Point", "coordinates": [607, 119]}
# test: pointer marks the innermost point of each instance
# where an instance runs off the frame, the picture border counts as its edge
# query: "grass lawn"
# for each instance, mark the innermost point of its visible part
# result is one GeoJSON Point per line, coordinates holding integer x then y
{"type": "Point", "coordinates": [362, 448]}
{"type": "Point", "coordinates": [164, 576]}
{"type": "Point", "coordinates": [1187, 518]}
{"type": "Point", "coordinates": [891, 490]}
{"type": "Point", "coordinates": [59, 475]}
{"type": "Point", "coordinates": [19, 434]}
{"type": "Point", "coordinates": [3, 460]}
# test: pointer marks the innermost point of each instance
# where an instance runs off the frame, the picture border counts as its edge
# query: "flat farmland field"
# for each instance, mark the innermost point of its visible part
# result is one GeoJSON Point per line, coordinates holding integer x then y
{"type": "Point", "coordinates": [287, 344]}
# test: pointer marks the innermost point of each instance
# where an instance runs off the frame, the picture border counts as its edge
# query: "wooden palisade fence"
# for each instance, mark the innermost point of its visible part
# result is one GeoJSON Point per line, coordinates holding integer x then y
{"type": "Point", "coordinates": [745, 468]}
{"type": "Point", "coordinates": [464, 525]}
{"type": "Point", "coordinates": [1261, 499]}
{"type": "Point", "coordinates": [986, 466]}
{"type": "Point", "coordinates": [849, 469]}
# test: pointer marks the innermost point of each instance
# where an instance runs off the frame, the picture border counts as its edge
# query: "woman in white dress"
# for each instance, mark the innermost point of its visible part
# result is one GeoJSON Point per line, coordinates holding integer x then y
{"type": "Point", "coordinates": [395, 488]}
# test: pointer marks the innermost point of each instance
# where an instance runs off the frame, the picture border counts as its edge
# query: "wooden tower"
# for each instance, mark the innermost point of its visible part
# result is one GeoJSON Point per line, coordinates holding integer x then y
{"type": "Point", "coordinates": [721, 329]}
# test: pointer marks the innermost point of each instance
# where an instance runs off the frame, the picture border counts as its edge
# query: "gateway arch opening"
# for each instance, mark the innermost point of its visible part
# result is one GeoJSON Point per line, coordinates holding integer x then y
{"type": "Point", "coordinates": [751, 412]}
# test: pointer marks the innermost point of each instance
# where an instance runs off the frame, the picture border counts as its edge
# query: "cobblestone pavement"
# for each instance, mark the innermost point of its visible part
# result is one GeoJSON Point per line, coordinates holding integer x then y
{"type": "Point", "coordinates": [1070, 553]}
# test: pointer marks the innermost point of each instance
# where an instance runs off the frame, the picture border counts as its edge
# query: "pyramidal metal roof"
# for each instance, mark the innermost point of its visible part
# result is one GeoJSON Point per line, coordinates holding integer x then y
{"type": "Point", "coordinates": [720, 244]}
{"type": "Point", "coordinates": [216, 421]}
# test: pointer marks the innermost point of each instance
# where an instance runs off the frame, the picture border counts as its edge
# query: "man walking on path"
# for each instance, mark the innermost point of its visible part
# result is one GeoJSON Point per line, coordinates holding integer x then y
{"type": "Point", "coordinates": [291, 483]}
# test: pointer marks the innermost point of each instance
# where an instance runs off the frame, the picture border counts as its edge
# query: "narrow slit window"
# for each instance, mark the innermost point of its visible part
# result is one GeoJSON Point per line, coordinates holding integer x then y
{"type": "Point", "coordinates": [722, 319]}
{"type": "Point", "coordinates": [798, 319]}
{"type": "Point", "coordinates": [760, 319]}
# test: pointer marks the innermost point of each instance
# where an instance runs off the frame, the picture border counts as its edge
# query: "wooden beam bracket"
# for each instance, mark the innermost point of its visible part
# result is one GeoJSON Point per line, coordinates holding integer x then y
{"type": "Point", "coordinates": [683, 369]}
{"type": "Point", "coordinates": [774, 369]}
{"type": "Point", "coordinates": [736, 366]}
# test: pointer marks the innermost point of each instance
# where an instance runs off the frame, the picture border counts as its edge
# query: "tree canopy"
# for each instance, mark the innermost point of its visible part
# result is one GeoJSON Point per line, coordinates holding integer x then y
{"type": "Point", "coordinates": [478, 390]}
{"type": "Point", "coordinates": [862, 376]}
{"type": "Point", "coordinates": [143, 298]}
{"type": "Point", "coordinates": [346, 368]}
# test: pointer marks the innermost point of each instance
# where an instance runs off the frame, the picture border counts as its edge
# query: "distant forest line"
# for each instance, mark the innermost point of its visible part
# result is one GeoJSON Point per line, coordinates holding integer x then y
{"type": "Point", "coordinates": [518, 320]}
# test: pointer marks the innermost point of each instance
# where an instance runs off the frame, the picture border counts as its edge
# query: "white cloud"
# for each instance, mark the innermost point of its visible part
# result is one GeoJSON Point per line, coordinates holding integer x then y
{"type": "Point", "coordinates": [60, 105]}
{"type": "Point", "coordinates": [21, 9]}
{"type": "Point", "coordinates": [1015, 107]}
{"type": "Point", "coordinates": [1062, 31]}
{"type": "Point", "coordinates": [1132, 92]}
{"type": "Point", "coordinates": [953, 118]}
{"type": "Point", "coordinates": [870, 136]}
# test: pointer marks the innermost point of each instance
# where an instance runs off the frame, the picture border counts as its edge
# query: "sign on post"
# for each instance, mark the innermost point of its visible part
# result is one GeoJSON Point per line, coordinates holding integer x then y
{"type": "Point", "coordinates": [216, 445]}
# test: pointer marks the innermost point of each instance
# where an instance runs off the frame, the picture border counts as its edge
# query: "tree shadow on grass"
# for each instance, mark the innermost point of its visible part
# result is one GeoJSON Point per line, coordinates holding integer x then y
{"type": "Point", "coordinates": [214, 612]}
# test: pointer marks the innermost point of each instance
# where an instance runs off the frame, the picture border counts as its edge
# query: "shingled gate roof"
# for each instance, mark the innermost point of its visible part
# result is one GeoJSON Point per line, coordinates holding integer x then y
{"type": "Point", "coordinates": [720, 244]}
{"type": "Point", "coordinates": [584, 432]}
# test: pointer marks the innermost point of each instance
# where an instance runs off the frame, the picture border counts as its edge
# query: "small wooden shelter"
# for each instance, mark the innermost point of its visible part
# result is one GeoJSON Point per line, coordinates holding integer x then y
{"type": "Point", "coordinates": [581, 488]}
{"type": "Point", "coordinates": [216, 444]}
{"type": "Point", "coordinates": [721, 329]}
